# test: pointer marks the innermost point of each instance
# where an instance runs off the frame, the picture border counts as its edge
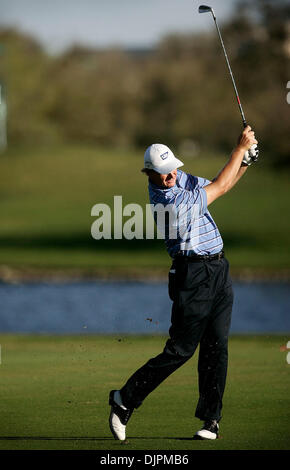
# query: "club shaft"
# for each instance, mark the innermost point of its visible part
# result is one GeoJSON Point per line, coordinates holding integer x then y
{"type": "Point", "coordinates": [231, 73]}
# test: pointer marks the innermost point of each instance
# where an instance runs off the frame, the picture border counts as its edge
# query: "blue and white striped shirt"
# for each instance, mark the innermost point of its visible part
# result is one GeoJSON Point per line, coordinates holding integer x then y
{"type": "Point", "coordinates": [200, 234]}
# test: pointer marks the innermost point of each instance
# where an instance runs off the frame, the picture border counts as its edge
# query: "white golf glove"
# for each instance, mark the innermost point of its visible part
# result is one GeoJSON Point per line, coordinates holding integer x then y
{"type": "Point", "coordinates": [251, 155]}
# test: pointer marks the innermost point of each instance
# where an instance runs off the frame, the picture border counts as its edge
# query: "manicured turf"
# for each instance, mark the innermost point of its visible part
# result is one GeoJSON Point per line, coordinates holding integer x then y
{"type": "Point", "coordinates": [47, 195]}
{"type": "Point", "coordinates": [54, 392]}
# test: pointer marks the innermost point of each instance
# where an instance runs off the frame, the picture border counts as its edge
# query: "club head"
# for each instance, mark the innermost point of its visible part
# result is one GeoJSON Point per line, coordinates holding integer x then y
{"type": "Point", "coordinates": [204, 9]}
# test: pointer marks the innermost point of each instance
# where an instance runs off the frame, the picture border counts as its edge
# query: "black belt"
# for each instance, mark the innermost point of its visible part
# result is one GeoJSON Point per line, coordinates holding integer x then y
{"type": "Point", "coordinates": [194, 257]}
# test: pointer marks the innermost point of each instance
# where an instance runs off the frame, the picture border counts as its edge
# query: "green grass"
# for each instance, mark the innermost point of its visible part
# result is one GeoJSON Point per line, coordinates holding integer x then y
{"type": "Point", "coordinates": [47, 195]}
{"type": "Point", "coordinates": [54, 392]}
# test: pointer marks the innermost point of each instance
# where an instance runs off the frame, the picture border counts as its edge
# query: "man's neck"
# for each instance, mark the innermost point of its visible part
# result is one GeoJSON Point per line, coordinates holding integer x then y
{"type": "Point", "coordinates": [156, 185]}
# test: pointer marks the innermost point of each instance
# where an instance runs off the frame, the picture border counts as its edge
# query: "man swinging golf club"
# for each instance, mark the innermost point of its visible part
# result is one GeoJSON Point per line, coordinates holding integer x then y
{"type": "Point", "coordinates": [199, 282]}
{"type": "Point", "coordinates": [199, 286]}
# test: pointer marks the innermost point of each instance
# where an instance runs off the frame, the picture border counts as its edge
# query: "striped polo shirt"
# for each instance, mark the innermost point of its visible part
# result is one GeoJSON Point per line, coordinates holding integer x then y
{"type": "Point", "coordinates": [196, 231]}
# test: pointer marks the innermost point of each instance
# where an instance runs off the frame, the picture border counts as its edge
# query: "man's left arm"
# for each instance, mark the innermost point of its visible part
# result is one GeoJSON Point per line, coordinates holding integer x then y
{"type": "Point", "coordinates": [241, 172]}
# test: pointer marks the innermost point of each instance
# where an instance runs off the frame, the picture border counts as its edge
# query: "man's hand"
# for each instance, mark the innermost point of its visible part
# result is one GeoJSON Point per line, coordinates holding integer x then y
{"type": "Point", "coordinates": [247, 139]}
{"type": "Point", "coordinates": [251, 156]}
{"type": "Point", "coordinates": [251, 153]}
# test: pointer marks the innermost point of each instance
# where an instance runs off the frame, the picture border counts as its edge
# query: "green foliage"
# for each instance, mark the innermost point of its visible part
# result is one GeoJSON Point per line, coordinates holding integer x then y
{"type": "Point", "coordinates": [177, 93]}
{"type": "Point", "coordinates": [23, 69]}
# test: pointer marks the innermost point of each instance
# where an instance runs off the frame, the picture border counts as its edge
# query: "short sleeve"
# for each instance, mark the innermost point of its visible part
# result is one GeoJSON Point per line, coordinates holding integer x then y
{"type": "Point", "coordinates": [202, 182]}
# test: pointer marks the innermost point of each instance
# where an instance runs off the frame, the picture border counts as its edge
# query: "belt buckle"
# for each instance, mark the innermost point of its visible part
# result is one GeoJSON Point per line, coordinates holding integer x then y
{"type": "Point", "coordinates": [220, 255]}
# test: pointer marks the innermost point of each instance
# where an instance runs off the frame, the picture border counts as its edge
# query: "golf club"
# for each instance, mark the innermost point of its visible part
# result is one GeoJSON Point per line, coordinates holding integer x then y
{"type": "Point", "coordinates": [207, 9]}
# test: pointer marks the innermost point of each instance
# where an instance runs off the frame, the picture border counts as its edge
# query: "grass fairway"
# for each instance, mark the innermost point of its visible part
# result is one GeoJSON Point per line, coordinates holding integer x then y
{"type": "Point", "coordinates": [47, 195]}
{"type": "Point", "coordinates": [54, 395]}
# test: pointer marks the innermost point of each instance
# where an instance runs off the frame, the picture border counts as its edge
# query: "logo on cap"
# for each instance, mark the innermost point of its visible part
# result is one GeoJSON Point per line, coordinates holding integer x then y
{"type": "Point", "coordinates": [164, 155]}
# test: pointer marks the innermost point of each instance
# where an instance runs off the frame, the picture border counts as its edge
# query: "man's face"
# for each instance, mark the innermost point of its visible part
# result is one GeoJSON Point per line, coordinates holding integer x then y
{"type": "Point", "coordinates": [165, 181]}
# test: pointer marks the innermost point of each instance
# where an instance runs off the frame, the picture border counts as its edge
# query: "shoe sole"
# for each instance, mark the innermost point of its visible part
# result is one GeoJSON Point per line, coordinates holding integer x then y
{"type": "Point", "coordinates": [112, 429]}
{"type": "Point", "coordinates": [111, 400]}
{"type": "Point", "coordinates": [197, 437]}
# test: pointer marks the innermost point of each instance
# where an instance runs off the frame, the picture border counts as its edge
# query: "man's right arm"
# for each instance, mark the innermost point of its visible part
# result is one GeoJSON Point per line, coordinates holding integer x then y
{"type": "Point", "coordinates": [231, 172]}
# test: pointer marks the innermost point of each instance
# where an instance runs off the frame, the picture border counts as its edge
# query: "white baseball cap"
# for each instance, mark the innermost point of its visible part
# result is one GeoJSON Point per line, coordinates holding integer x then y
{"type": "Point", "coordinates": [160, 158]}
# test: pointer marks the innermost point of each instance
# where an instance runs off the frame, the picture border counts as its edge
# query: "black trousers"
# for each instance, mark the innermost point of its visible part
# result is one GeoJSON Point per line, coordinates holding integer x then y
{"type": "Point", "coordinates": [201, 314]}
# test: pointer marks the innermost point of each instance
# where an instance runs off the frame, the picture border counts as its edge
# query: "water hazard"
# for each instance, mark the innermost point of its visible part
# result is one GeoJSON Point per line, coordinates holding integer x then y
{"type": "Point", "coordinates": [129, 307]}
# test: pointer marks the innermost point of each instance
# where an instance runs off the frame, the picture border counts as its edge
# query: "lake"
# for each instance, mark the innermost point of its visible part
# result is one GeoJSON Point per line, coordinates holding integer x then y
{"type": "Point", "coordinates": [129, 307]}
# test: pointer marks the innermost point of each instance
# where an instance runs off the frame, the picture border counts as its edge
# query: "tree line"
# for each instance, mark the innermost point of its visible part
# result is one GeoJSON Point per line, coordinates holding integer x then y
{"type": "Point", "coordinates": [178, 93]}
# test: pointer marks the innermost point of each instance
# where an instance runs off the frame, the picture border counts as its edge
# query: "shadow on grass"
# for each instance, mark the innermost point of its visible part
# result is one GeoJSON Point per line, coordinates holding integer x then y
{"type": "Point", "coordinates": [79, 241]}
{"type": "Point", "coordinates": [76, 438]}
{"type": "Point", "coordinates": [85, 241]}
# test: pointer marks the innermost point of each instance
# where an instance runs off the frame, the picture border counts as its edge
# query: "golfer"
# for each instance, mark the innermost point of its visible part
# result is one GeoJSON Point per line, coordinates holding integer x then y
{"type": "Point", "coordinates": [199, 286]}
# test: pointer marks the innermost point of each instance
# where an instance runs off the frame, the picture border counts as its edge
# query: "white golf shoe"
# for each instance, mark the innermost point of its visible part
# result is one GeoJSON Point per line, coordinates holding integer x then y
{"type": "Point", "coordinates": [119, 415]}
{"type": "Point", "coordinates": [209, 431]}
